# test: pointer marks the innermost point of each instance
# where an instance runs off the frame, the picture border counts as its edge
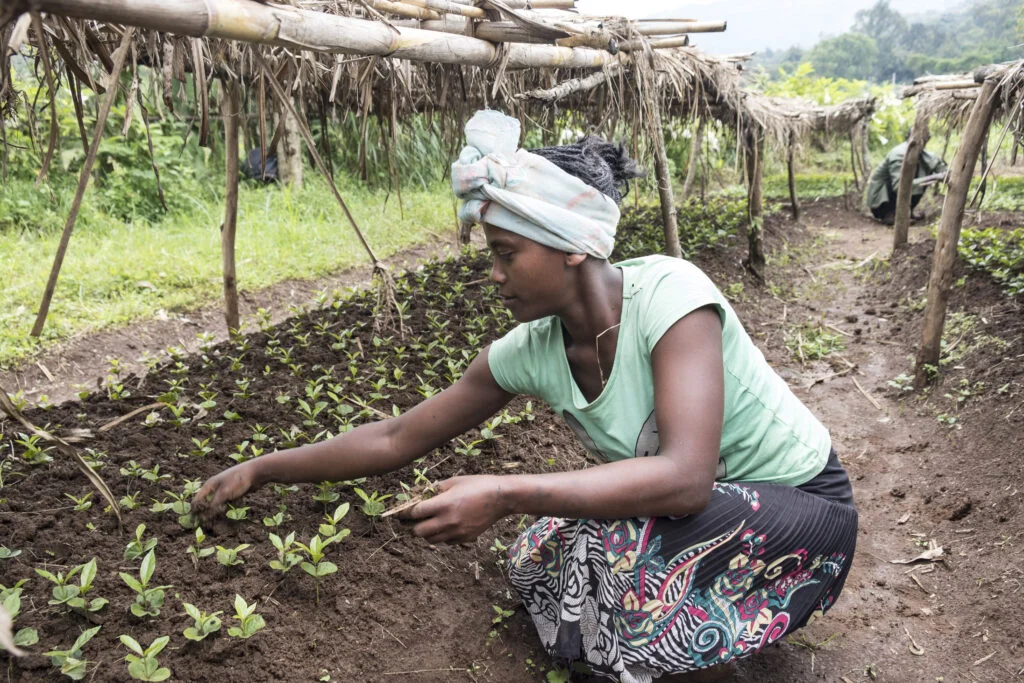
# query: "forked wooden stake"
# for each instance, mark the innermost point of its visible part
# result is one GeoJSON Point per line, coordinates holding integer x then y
{"type": "Point", "coordinates": [83, 181]}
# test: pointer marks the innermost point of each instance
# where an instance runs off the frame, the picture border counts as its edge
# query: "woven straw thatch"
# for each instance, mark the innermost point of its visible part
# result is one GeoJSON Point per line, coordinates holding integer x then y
{"type": "Point", "coordinates": [949, 98]}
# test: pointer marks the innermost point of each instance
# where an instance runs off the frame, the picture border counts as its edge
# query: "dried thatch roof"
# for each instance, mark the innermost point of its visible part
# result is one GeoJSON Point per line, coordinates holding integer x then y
{"type": "Point", "coordinates": [949, 98]}
{"type": "Point", "coordinates": [367, 56]}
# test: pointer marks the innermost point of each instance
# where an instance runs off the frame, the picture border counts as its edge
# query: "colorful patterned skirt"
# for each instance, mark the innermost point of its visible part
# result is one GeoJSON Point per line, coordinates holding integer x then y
{"type": "Point", "coordinates": [636, 599]}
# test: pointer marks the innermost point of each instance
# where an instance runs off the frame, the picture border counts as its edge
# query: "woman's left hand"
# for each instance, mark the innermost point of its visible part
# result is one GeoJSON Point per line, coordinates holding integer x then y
{"type": "Point", "coordinates": [463, 509]}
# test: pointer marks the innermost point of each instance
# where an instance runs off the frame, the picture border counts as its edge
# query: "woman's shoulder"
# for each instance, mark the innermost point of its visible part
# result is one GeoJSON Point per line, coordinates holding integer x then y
{"type": "Point", "coordinates": [646, 272]}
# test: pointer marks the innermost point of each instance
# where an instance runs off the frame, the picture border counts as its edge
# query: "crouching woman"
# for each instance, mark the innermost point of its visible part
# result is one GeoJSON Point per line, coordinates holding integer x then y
{"type": "Point", "coordinates": [720, 518]}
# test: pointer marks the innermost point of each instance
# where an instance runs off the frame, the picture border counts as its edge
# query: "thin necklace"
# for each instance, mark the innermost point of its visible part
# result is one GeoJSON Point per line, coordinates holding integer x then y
{"type": "Point", "coordinates": [597, 347]}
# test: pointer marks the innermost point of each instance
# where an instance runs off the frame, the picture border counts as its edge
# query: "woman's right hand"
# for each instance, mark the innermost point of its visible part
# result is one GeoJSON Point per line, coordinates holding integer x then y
{"type": "Point", "coordinates": [230, 484]}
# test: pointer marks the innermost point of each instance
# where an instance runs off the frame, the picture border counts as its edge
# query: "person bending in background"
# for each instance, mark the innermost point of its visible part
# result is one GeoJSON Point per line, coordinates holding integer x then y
{"type": "Point", "coordinates": [880, 195]}
{"type": "Point", "coordinates": [720, 518]}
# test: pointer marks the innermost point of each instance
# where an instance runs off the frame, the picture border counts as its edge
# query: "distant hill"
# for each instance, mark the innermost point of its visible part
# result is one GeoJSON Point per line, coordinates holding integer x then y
{"type": "Point", "coordinates": [882, 43]}
{"type": "Point", "coordinates": [755, 25]}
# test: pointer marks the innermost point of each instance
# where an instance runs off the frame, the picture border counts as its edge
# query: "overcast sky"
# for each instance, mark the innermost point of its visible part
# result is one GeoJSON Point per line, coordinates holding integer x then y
{"type": "Point", "coordinates": [757, 24]}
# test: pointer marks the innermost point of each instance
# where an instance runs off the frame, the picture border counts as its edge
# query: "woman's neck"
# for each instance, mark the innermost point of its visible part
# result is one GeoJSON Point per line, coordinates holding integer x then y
{"type": "Point", "coordinates": [597, 304]}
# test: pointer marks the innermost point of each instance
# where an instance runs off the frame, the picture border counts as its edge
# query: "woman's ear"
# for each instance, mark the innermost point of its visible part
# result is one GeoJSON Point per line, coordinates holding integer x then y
{"type": "Point", "coordinates": [573, 260]}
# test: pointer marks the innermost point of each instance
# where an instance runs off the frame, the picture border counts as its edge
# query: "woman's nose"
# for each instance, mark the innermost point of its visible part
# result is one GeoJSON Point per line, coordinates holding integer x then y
{"type": "Point", "coordinates": [497, 274]}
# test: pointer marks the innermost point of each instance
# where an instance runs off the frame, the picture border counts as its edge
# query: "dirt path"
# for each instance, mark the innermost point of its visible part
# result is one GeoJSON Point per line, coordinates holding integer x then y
{"type": "Point", "coordinates": [913, 480]}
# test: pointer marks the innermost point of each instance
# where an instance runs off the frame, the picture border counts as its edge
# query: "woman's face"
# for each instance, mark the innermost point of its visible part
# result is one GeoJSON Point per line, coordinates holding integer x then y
{"type": "Point", "coordinates": [531, 278]}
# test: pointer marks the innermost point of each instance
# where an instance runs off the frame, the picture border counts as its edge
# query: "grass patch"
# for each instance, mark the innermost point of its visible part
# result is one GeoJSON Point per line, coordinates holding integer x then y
{"type": "Point", "coordinates": [1004, 193]}
{"type": "Point", "coordinates": [116, 272]}
{"type": "Point", "coordinates": [809, 186]}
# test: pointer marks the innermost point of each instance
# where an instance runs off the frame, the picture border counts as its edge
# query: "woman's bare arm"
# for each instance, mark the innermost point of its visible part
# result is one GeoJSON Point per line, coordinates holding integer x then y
{"type": "Point", "coordinates": [689, 405]}
{"type": "Point", "coordinates": [372, 448]}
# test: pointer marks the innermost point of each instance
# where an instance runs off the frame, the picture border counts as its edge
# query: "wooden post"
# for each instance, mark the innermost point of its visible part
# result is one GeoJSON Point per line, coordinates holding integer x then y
{"type": "Point", "coordinates": [230, 111]}
{"type": "Point", "coordinates": [668, 207]}
{"type": "Point", "coordinates": [790, 152]}
{"type": "Point", "coordinates": [753, 158]}
{"type": "Point", "coordinates": [865, 167]}
{"type": "Point", "coordinates": [919, 136]}
{"type": "Point", "coordinates": [853, 162]}
{"type": "Point", "coordinates": [289, 157]}
{"type": "Point", "coordinates": [83, 179]}
{"type": "Point", "coordinates": [1013, 151]}
{"type": "Point", "coordinates": [691, 164]}
{"type": "Point", "coordinates": [941, 278]}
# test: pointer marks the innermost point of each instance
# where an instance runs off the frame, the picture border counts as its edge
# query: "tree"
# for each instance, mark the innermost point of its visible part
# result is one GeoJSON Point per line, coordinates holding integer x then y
{"type": "Point", "coordinates": [888, 28]}
{"type": "Point", "coordinates": [850, 55]}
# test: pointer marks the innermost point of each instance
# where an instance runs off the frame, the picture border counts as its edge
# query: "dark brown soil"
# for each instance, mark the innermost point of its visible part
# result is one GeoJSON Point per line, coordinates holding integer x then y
{"type": "Point", "coordinates": [398, 609]}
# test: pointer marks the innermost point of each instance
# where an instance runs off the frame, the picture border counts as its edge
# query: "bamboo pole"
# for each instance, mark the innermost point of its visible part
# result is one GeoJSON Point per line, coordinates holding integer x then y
{"type": "Point", "coordinates": [83, 180]}
{"type": "Point", "coordinates": [669, 27]}
{"type": "Point", "coordinates": [403, 9]}
{"type": "Point", "coordinates": [919, 136]}
{"type": "Point", "coordinates": [655, 44]}
{"type": "Point", "coordinates": [691, 163]}
{"type": "Point", "coordinates": [941, 278]}
{"type": "Point", "coordinates": [790, 154]}
{"type": "Point", "coordinates": [661, 170]}
{"type": "Point", "coordinates": [445, 7]}
{"type": "Point", "coordinates": [754, 162]}
{"type": "Point", "coordinates": [573, 86]}
{"type": "Point", "coordinates": [230, 110]}
{"type": "Point", "coordinates": [301, 29]}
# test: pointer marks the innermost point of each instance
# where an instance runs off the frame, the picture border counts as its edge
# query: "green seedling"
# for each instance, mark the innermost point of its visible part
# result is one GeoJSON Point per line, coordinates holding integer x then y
{"type": "Point", "coordinates": [490, 429]}
{"type": "Point", "coordinates": [82, 503]}
{"type": "Point", "coordinates": [148, 600]}
{"type": "Point", "coordinates": [373, 503]}
{"type": "Point", "coordinates": [142, 663]}
{"type": "Point", "coordinates": [230, 557]}
{"type": "Point", "coordinates": [277, 519]}
{"type": "Point", "coordinates": [317, 566]}
{"type": "Point", "coordinates": [237, 513]}
{"type": "Point", "coordinates": [249, 620]}
{"type": "Point", "coordinates": [196, 551]}
{"type": "Point", "coordinates": [71, 662]}
{"type": "Point", "coordinates": [468, 449]}
{"type": "Point", "coordinates": [153, 475]}
{"type": "Point", "coordinates": [204, 624]}
{"type": "Point", "coordinates": [330, 529]}
{"type": "Point", "coordinates": [66, 593]}
{"type": "Point", "coordinates": [325, 495]}
{"type": "Point", "coordinates": [10, 599]}
{"type": "Point", "coordinates": [7, 554]}
{"type": "Point", "coordinates": [138, 547]}
{"type": "Point", "coordinates": [181, 505]}
{"type": "Point", "coordinates": [200, 447]}
{"type": "Point", "coordinates": [286, 555]}
{"type": "Point", "coordinates": [130, 502]}
{"type": "Point", "coordinates": [35, 452]}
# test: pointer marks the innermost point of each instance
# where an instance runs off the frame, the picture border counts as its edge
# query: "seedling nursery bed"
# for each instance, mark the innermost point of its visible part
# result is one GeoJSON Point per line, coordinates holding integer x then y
{"type": "Point", "coordinates": [393, 608]}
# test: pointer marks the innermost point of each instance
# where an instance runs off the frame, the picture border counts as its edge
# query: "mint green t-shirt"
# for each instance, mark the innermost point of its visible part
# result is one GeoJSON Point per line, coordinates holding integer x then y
{"type": "Point", "coordinates": [768, 435]}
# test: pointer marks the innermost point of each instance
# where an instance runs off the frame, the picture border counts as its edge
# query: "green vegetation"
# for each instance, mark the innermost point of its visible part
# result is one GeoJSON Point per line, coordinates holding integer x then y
{"type": "Point", "coordinates": [139, 248]}
{"type": "Point", "coordinates": [998, 252]}
{"type": "Point", "coordinates": [119, 271]}
{"type": "Point", "coordinates": [808, 185]}
{"type": "Point", "coordinates": [884, 44]}
{"type": "Point", "coordinates": [702, 225]}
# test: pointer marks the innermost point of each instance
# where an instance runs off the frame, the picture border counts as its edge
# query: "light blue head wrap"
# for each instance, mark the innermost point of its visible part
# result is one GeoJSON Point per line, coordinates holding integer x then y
{"type": "Point", "coordinates": [526, 194]}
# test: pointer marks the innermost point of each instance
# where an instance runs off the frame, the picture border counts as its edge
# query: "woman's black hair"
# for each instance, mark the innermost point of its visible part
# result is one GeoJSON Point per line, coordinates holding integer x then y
{"type": "Point", "coordinates": [603, 165]}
